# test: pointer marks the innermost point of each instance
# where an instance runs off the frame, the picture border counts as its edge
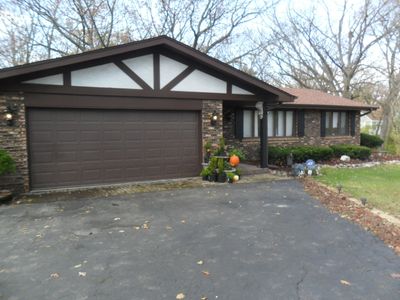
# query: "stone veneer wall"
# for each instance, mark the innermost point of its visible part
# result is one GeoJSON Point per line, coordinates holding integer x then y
{"type": "Point", "coordinates": [13, 140]}
{"type": "Point", "coordinates": [312, 135]}
{"type": "Point", "coordinates": [211, 133]}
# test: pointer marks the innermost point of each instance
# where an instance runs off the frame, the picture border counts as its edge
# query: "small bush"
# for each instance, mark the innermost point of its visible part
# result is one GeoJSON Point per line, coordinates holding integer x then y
{"type": "Point", "coordinates": [7, 164]}
{"type": "Point", "coordinates": [354, 151]}
{"type": "Point", "coordinates": [371, 141]}
{"type": "Point", "coordinates": [278, 155]}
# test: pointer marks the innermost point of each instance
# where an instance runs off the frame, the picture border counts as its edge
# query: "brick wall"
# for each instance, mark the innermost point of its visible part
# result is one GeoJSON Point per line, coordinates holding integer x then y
{"type": "Point", "coordinates": [211, 133]}
{"type": "Point", "coordinates": [312, 137]}
{"type": "Point", "coordinates": [13, 140]}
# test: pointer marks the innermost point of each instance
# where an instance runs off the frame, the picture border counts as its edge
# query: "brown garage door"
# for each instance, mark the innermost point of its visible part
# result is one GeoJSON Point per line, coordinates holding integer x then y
{"type": "Point", "coordinates": [75, 147]}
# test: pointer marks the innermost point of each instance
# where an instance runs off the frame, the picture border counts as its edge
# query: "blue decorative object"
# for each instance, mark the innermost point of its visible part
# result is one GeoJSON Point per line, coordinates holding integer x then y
{"type": "Point", "coordinates": [310, 164]}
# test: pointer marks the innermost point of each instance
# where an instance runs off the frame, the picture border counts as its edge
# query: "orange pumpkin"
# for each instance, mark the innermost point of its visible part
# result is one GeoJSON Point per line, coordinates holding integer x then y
{"type": "Point", "coordinates": [234, 160]}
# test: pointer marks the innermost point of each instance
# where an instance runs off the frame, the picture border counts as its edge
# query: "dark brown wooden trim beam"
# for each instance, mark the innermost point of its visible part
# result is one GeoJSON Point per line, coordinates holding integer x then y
{"type": "Point", "coordinates": [67, 78]}
{"type": "Point", "coordinates": [229, 88]}
{"type": "Point", "coordinates": [156, 66]}
{"type": "Point", "coordinates": [124, 68]}
{"type": "Point", "coordinates": [74, 90]}
{"type": "Point", "coordinates": [106, 102]}
{"type": "Point", "coordinates": [185, 73]}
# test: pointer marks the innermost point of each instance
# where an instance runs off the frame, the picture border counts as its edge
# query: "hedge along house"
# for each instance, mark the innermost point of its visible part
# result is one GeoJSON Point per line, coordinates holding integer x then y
{"type": "Point", "coordinates": [139, 111]}
{"type": "Point", "coordinates": [314, 118]}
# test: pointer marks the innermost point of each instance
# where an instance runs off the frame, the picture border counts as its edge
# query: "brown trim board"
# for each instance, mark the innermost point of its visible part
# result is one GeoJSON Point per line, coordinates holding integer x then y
{"type": "Point", "coordinates": [104, 102]}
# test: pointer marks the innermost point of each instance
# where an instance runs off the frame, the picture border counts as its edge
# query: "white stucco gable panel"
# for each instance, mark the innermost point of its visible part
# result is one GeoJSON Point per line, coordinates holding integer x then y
{"type": "Point", "coordinates": [201, 82]}
{"type": "Point", "coordinates": [103, 76]}
{"type": "Point", "coordinates": [239, 91]}
{"type": "Point", "coordinates": [51, 80]}
{"type": "Point", "coordinates": [169, 69]}
{"type": "Point", "coordinates": [143, 67]}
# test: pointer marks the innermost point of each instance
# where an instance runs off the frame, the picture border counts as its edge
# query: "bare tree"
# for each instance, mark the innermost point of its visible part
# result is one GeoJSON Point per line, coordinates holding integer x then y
{"type": "Point", "coordinates": [78, 25]}
{"type": "Point", "coordinates": [390, 70]}
{"type": "Point", "coordinates": [17, 36]}
{"type": "Point", "coordinates": [325, 54]}
{"type": "Point", "coordinates": [207, 25]}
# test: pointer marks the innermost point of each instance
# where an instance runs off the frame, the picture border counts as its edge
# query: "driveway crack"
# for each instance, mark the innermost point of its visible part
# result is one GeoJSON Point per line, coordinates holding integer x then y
{"type": "Point", "coordinates": [300, 281]}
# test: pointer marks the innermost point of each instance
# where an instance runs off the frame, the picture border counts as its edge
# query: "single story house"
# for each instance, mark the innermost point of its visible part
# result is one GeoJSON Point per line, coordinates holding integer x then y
{"type": "Point", "coordinates": [372, 123]}
{"type": "Point", "coordinates": [144, 110]}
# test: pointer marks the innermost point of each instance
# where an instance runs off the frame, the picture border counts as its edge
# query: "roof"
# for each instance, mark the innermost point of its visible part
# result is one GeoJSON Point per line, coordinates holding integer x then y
{"type": "Point", "coordinates": [165, 41]}
{"type": "Point", "coordinates": [315, 98]}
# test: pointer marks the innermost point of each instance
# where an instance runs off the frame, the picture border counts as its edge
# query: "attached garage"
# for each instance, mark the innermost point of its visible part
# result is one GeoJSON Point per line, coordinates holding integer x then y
{"type": "Point", "coordinates": [75, 147]}
{"type": "Point", "coordinates": [139, 111]}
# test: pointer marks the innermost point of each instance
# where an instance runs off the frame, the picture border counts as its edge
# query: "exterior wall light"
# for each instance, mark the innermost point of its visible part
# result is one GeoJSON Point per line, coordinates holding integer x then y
{"type": "Point", "coordinates": [10, 112]}
{"type": "Point", "coordinates": [214, 118]}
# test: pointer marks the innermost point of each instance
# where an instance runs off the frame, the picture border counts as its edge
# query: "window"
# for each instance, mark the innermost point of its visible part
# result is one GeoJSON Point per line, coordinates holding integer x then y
{"type": "Point", "coordinates": [250, 123]}
{"type": "Point", "coordinates": [280, 123]}
{"type": "Point", "coordinates": [336, 123]}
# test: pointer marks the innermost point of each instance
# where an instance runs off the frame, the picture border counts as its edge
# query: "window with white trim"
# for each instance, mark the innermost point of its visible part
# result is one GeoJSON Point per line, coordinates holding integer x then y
{"type": "Point", "coordinates": [336, 123]}
{"type": "Point", "coordinates": [250, 123]}
{"type": "Point", "coordinates": [281, 123]}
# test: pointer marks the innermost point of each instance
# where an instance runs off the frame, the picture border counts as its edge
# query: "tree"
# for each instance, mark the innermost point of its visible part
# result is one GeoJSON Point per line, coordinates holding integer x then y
{"type": "Point", "coordinates": [327, 54]}
{"type": "Point", "coordinates": [210, 26]}
{"type": "Point", "coordinates": [390, 70]}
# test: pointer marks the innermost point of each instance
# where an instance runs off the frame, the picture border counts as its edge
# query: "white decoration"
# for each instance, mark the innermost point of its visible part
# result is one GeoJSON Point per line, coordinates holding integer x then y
{"type": "Point", "coordinates": [345, 158]}
{"type": "Point", "coordinates": [143, 67]}
{"type": "Point", "coordinates": [201, 82]}
{"type": "Point", "coordinates": [51, 80]}
{"type": "Point", "coordinates": [104, 76]}
{"type": "Point", "coordinates": [169, 69]}
{"type": "Point", "coordinates": [239, 91]}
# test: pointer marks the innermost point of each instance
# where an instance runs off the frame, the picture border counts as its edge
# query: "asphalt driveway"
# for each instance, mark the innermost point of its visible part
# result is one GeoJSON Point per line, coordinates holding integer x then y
{"type": "Point", "coordinates": [245, 241]}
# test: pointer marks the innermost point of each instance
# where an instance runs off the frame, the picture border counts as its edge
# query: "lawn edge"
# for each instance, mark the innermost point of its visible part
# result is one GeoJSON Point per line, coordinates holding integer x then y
{"type": "Point", "coordinates": [351, 209]}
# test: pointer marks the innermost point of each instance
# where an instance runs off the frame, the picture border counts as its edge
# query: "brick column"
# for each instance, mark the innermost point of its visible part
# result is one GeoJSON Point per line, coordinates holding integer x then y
{"type": "Point", "coordinates": [211, 133]}
{"type": "Point", "coordinates": [13, 140]}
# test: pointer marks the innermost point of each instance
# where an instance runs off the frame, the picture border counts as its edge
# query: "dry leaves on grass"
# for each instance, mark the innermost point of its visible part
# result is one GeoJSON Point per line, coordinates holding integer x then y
{"type": "Point", "coordinates": [180, 296]}
{"type": "Point", "coordinates": [340, 204]}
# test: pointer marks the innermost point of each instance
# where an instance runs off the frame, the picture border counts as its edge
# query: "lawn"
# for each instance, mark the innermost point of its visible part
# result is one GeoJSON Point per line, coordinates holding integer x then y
{"type": "Point", "coordinates": [380, 185]}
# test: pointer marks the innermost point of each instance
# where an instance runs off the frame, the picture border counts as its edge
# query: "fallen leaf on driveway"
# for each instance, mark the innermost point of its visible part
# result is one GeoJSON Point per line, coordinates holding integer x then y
{"type": "Point", "coordinates": [117, 219]}
{"type": "Point", "coordinates": [121, 231]}
{"type": "Point", "coordinates": [203, 298]}
{"type": "Point", "coordinates": [344, 282]}
{"type": "Point", "coordinates": [145, 226]}
{"type": "Point", "coordinates": [183, 221]}
{"type": "Point", "coordinates": [200, 262]}
{"type": "Point", "coordinates": [205, 273]}
{"type": "Point", "coordinates": [180, 296]}
{"type": "Point", "coordinates": [77, 266]}
{"type": "Point", "coordinates": [46, 226]}
{"type": "Point", "coordinates": [82, 274]}
{"type": "Point", "coordinates": [395, 275]}
{"type": "Point", "coordinates": [55, 276]}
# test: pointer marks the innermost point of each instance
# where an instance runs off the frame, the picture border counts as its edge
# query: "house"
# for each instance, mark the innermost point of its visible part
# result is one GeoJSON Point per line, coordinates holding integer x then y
{"type": "Point", "coordinates": [314, 118]}
{"type": "Point", "coordinates": [144, 110]}
{"type": "Point", "coordinates": [371, 123]}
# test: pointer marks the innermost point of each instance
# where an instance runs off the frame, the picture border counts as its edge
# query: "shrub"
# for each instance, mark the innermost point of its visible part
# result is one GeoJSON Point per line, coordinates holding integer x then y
{"type": "Point", "coordinates": [7, 164]}
{"type": "Point", "coordinates": [371, 141]}
{"type": "Point", "coordinates": [278, 155]}
{"type": "Point", "coordinates": [354, 151]}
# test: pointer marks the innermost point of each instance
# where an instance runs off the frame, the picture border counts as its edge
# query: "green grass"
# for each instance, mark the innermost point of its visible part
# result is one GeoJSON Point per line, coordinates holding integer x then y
{"type": "Point", "coordinates": [380, 185]}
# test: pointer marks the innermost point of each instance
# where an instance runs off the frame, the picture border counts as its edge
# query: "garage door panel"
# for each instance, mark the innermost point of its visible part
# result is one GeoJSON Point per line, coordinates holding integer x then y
{"type": "Point", "coordinates": [71, 147]}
